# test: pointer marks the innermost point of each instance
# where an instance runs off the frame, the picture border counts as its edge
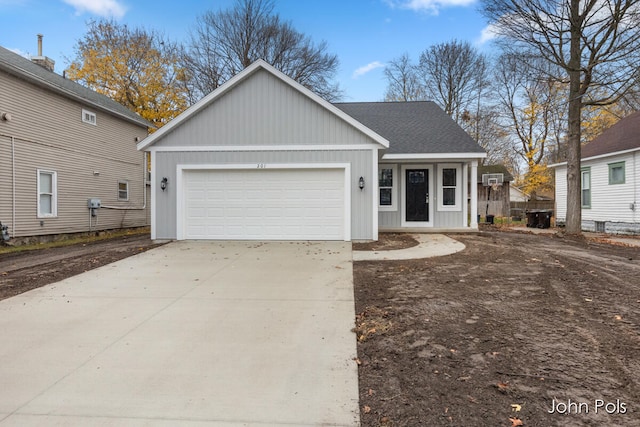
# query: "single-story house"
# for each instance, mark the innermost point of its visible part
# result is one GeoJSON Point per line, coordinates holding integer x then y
{"type": "Point", "coordinates": [264, 158]}
{"type": "Point", "coordinates": [61, 145]}
{"type": "Point", "coordinates": [610, 180]}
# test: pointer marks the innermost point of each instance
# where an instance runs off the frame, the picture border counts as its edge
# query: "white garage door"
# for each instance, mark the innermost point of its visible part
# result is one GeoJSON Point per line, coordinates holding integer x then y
{"type": "Point", "coordinates": [265, 204]}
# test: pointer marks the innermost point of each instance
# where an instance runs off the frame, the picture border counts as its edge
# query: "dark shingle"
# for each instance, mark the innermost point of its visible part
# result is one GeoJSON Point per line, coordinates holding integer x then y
{"type": "Point", "coordinates": [412, 127]}
{"type": "Point", "coordinates": [624, 135]}
{"type": "Point", "coordinates": [21, 67]}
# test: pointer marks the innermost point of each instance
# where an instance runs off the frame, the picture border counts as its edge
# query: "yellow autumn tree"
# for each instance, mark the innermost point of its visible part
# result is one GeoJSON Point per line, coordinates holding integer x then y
{"type": "Point", "coordinates": [135, 67]}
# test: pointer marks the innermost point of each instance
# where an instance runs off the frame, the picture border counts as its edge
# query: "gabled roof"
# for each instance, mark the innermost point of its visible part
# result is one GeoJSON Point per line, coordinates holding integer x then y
{"type": "Point", "coordinates": [22, 68]}
{"type": "Point", "coordinates": [238, 79]}
{"type": "Point", "coordinates": [623, 136]}
{"type": "Point", "coordinates": [414, 128]}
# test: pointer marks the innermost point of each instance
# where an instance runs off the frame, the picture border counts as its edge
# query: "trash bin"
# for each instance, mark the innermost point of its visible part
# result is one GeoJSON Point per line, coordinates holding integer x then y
{"type": "Point", "coordinates": [490, 219]}
{"type": "Point", "coordinates": [533, 218]}
{"type": "Point", "coordinates": [544, 218]}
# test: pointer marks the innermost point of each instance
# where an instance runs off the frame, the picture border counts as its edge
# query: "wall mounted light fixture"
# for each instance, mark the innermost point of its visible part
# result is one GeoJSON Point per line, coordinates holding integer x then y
{"type": "Point", "coordinates": [164, 183]}
{"type": "Point", "coordinates": [361, 183]}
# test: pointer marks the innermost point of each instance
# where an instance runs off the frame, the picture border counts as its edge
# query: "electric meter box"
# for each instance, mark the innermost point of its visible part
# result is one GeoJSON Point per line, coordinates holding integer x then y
{"type": "Point", "coordinates": [93, 203]}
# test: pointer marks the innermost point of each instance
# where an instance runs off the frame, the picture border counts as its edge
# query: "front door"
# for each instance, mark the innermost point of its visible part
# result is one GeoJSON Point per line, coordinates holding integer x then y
{"type": "Point", "coordinates": [417, 195]}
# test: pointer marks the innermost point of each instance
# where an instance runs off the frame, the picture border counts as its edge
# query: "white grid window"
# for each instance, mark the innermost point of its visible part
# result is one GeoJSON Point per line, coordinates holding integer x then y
{"type": "Point", "coordinates": [89, 117]}
{"type": "Point", "coordinates": [47, 194]}
{"type": "Point", "coordinates": [123, 190]}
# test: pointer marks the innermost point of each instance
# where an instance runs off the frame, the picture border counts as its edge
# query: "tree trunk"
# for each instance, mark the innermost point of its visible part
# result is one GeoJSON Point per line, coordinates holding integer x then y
{"type": "Point", "coordinates": [574, 196]}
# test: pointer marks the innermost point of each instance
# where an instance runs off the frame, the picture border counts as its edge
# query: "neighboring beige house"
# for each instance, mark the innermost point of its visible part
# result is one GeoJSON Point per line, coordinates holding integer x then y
{"type": "Point", "coordinates": [62, 144]}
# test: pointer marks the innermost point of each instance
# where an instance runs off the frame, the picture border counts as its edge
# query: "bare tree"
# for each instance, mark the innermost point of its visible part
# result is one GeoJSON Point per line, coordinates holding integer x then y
{"type": "Point", "coordinates": [529, 100]}
{"type": "Point", "coordinates": [453, 75]}
{"type": "Point", "coordinates": [223, 43]}
{"type": "Point", "coordinates": [402, 80]}
{"type": "Point", "coordinates": [596, 44]}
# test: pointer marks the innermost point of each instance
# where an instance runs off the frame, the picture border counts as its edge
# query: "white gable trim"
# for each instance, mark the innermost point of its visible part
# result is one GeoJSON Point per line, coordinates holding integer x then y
{"type": "Point", "coordinates": [300, 147]}
{"type": "Point", "coordinates": [601, 156]}
{"type": "Point", "coordinates": [235, 80]}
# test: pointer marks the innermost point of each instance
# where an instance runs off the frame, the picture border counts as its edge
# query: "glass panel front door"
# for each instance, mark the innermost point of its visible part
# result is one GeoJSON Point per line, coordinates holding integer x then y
{"type": "Point", "coordinates": [417, 195]}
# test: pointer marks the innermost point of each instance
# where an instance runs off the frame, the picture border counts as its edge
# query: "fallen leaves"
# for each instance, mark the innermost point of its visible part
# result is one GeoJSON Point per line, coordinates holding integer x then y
{"type": "Point", "coordinates": [503, 387]}
{"type": "Point", "coordinates": [515, 407]}
{"type": "Point", "coordinates": [515, 422]}
{"type": "Point", "coordinates": [617, 317]}
{"type": "Point", "coordinates": [372, 321]}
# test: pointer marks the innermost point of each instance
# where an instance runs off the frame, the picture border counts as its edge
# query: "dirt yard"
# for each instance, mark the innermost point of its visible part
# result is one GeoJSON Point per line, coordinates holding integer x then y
{"type": "Point", "coordinates": [23, 271]}
{"type": "Point", "coordinates": [501, 334]}
{"type": "Point", "coordinates": [517, 329]}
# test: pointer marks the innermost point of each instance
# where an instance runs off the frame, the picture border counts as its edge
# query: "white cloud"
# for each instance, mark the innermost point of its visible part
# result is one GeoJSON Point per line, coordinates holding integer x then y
{"type": "Point", "coordinates": [366, 68]}
{"type": "Point", "coordinates": [430, 6]}
{"type": "Point", "coordinates": [19, 52]}
{"type": "Point", "coordinates": [104, 8]}
{"type": "Point", "coordinates": [488, 33]}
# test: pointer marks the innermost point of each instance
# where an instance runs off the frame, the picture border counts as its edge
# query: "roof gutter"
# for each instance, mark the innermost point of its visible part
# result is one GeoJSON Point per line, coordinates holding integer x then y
{"type": "Point", "coordinates": [434, 156]}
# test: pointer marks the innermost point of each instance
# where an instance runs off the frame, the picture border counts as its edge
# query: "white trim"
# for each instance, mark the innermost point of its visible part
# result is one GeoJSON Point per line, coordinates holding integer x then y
{"type": "Point", "coordinates": [474, 195]}
{"type": "Point", "coordinates": [154, 227]}
{"type": "Point", "coordinates": [237, 79]}
{"type": "Point", "coordinates": [465, 193]}
{"type": "Point", "coordinates": [393, 207]}
{"type": "Point", "coordinates": [123, 181]}
{"type": "Point", "coordinates": [458, 202]}
{"type": "Point", "coordinates": [299, 147]}
{"type": "Point", "coordinates": [54, 193]}
{"type": "Point", "coordinates": [180, 190]}
{"type": "Point", "coordinates": [89, 117]}
{"type": "Point", "coordinates": [434, 156]}
{"type": "Point", "coordinates": [600, 156]}
{"type": "Point", "coordinates": [403, 207]}
{"type": "Point", "coordinates": [374, 170]}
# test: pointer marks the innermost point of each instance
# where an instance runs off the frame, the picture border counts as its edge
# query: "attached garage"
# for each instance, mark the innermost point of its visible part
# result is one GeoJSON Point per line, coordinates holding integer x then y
{"type": "Point", "coordinates": [264, 158]}
{"type": "Point", "coordinates": [275, 203]}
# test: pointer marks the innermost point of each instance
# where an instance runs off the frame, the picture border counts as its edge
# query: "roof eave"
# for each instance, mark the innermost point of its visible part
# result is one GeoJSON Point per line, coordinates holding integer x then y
{"type": "Point", "coordinates": [435, 156]}
{"type": "Point", "coordinates": [599, 156]}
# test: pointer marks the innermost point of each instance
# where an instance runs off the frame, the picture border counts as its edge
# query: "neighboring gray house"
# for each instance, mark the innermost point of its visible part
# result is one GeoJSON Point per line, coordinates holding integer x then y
{"type": "Point", "coordinates": [60, 145]}
{"type": "Point", "coordinates": [610, 180]}
{"type": "Point", "coordinates": [264, 158]}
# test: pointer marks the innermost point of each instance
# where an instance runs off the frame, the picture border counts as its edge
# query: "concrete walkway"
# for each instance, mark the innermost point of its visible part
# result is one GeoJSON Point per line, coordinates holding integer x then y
{"type": "Point", "coordinates": [188, 334]}
{"type": "Point", "coordinates": [429, 245]}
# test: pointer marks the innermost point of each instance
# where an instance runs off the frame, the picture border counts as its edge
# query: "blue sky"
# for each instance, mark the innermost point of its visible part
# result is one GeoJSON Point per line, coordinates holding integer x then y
{"type": "Point", "coordinates": [365, 34]}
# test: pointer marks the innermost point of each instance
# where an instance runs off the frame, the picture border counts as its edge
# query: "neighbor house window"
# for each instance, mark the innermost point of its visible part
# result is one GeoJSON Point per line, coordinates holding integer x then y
{"type": "Point", "coordinates": [89, 117]}
{"type": "Point", "coordinates": [449, 190]}
{"type": "Point", "coordinates": [47, 194]}
{"type": "Point", "coordinates": [616, 173]}
{"type": "Point", "coordinates": [585, 175]}
{"type": "Point", "coordinates": [387, 187]}
{"type": "Point", "coordinates": [123, 190]}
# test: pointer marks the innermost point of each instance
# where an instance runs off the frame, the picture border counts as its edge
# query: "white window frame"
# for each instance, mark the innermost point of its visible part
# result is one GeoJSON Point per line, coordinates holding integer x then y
{"type": "Point", "coordinates": [585, 171]}
{"type": "Point", "coordinates": [89, 117]}
{"type": "Point", "coordinates": [458, 187]}
{"type": "Point", "coordinates": [53, 194]}
{"type": "Point", "coordinates": [125, 199]}
{"type": "Point", "coordinates": [394, 188]}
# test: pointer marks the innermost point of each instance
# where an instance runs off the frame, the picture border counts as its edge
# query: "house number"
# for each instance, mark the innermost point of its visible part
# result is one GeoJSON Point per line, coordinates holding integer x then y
{"type": "Point", "coordinates": [261, 166]}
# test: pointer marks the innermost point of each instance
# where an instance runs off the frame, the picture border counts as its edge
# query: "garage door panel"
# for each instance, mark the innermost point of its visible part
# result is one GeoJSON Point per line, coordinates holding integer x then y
{"type": "Point", "coordinates": [287, 204]}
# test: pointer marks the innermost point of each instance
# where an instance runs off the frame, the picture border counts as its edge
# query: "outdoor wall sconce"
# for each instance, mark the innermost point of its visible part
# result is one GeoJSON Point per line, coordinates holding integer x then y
{"type": "Point", "coordinates": [361, 183]}
{"type": "Point", "coordinates": [163, 183]}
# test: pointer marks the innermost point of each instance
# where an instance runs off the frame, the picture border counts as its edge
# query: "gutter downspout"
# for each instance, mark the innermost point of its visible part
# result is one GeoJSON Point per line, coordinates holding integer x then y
{"type": "Point", "coordinates": [13, 185]}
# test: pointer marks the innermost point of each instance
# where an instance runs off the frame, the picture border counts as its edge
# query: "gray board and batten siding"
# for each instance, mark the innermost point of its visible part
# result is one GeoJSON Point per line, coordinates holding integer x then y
{"type": "Point", "coordinates": [46, 132]}
{"type": "Point", "coordinates": [265, 121]}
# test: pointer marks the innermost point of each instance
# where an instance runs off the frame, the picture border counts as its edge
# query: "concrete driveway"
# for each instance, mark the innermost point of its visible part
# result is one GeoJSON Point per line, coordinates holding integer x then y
{"type": "Point", "coordinates": [191, 333]}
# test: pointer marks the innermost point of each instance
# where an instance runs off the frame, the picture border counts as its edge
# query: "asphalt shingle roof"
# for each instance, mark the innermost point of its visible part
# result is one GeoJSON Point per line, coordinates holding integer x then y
{"type": "Point", "coordinates": [419, 127]}
{"type": "Point", "coordinates": [624, 135]}
{"type": "Point", "coordinates": [23, 68]}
